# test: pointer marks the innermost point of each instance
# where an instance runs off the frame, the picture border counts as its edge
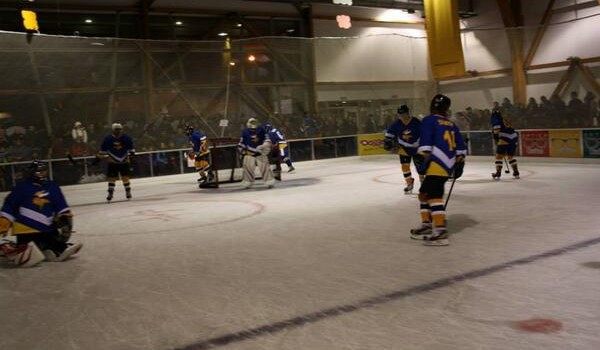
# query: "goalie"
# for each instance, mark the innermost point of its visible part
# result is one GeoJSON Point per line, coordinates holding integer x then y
{"type": "Point", "coordinates": [255, 147]}
{"type": "Point", "coordinates": [40, 218]}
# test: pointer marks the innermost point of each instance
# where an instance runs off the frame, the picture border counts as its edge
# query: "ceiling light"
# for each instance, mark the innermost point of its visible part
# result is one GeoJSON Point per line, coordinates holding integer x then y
{"type": "Point", "coordinates": [238, 25]}
{"type": "Point", "coordinates": [290, 30]}
{"type": "Point", "coordinates": [251, 58]}
{"type": "Point", "coordinates": [178, 23]}
{"type": "Point", "coordinates": [232, 63]}
{"type": "Point", "coordinates": [89, 20]}
{"type": "Point", "coordinates": [222, 34]}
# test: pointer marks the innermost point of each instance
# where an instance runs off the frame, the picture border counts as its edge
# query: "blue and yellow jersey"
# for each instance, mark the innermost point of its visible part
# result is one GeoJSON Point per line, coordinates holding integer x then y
{"type": "Point", "coordinates": [251, 138]}
{"type": "Point", "coordinates": [31, 207]}
{"type": "Point", "coordinates": [117, 148]}
{"type": "Point", "coordinates": [407, 135]}
{"type": "Point", "coordinates": [198, 142]}
{"type": "Point", "coordinates": [442, 139]}
{"type": "Point", "coordinates": [503, 128]}
{"type": "Point", "coordinates": [278, 140]}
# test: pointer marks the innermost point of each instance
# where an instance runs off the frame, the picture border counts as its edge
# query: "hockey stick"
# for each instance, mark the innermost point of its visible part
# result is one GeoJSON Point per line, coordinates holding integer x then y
{"type": "Point", "coordinates": [449, 193]}
{"type": "Point", "coordinates": [74, 162]}
{"type": "Point", "coordinates": [507, 171]}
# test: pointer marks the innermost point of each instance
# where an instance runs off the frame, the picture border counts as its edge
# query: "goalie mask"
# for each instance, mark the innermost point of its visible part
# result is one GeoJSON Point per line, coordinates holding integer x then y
{"type": "Point", "coordinates": [252, 123]}
{"type": "Point", "coordinates": [38, 172]}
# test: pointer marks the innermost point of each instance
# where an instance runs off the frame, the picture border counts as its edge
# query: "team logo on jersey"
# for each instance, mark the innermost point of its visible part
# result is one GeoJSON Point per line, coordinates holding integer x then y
{"type": "Point", "coordinates": [117, 145]}
{"type": "Point", "coordinates": [406, 135]}
{"type": "Point", "coordinates": [39, 199]}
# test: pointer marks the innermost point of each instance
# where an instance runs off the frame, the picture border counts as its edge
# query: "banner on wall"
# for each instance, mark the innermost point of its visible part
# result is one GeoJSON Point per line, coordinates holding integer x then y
{"type": "Point", "coordinates": [591, 143]}
{"type": "Point", "coordinates": [370, 144]}
{"type": "Point", "coordinates": [534, 144]}
{"type": "Point", "coordinates": [565, 143]}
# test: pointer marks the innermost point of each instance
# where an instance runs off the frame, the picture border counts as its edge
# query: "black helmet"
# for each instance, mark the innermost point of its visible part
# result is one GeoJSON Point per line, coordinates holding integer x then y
{"type": "Point", "coordinates": [440, 104]}
{"type": "Point", "coordinates": [38, 171]}
{"type": "Point", "coordinates": [403, 109]}
{"type": "Point", "coordinates": [189, 130]}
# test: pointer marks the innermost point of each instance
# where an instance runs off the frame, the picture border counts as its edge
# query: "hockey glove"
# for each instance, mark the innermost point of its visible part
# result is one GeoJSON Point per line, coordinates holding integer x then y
{"type": "Point", "coordinates": [388, 144]}
{"type": "Point", "coordinates": [64, 226]}
{"type": "Point", "coordinates": [459, 167]}
{"type": "Point", "coordinates": [423, 164]}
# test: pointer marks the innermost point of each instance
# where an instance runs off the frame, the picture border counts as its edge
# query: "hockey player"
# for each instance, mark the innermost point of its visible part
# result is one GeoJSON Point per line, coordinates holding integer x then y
{"type": "Point", "coordinates": [201, 154]}
{"type": "Point", "coordinates": [255, 147]}
{"type": "Point", "coordinates": [118, 149]}
{"type": "Point", "coordinates": [404, 134]}
{"type": "Point", "coordinates": [40, 219]}
{"type": "Point", "coordinates": [506, 139]}
{"type": "Point", "coordinates": [444, 152]}
{"type": "Point", "coordinates": [279, 151]}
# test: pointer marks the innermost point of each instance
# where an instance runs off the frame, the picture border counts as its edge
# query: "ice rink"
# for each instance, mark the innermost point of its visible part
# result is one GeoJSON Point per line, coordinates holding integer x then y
{"type": "Point", "coordinates": [322, 261]}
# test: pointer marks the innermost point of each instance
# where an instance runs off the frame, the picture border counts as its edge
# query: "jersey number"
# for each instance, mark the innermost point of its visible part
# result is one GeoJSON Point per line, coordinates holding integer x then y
{"type": "Point", "coordinates": [451, 139]}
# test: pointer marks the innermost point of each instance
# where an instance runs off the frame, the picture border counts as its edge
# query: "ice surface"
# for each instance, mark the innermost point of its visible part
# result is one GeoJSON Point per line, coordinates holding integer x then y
{"type": "Point", "coordinates": [182, 268]}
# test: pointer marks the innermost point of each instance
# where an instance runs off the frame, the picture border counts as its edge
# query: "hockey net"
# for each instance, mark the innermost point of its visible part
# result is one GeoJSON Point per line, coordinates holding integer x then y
{"type": "Point", "coordinates": [225, 161]}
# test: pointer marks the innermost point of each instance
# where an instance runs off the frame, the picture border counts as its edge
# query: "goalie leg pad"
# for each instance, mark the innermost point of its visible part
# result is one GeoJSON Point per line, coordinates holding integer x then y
{"type": "Point", "coordinates": [23, 255]}
{"type": "Point", "coordinates": [249, 167]}
{"type": "Point", "coordinates": [265, 170]}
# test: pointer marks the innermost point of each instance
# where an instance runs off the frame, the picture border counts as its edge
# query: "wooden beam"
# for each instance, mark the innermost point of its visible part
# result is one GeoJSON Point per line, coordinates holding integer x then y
{"type": "Point", "coordinates": [539, 34]}
{"type": "Point", "coordinates": [580, 6]}
{"type": "Point", "coordinates": [566, 78]}
{"type": "Point", "coordinates": [589, 76]}
{"type": "Point", "coordinates": [513, 20]}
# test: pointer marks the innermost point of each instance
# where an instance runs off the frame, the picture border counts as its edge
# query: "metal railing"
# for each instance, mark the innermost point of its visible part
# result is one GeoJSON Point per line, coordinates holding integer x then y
{"type": "Point", "coordinates": [87, 169]}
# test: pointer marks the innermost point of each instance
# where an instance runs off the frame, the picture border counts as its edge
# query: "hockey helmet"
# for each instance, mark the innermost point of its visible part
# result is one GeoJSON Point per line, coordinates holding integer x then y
{"type": "Point", "coordinates": [267, 126]}
{"type": "Point", "coordinates": [440, 104]}
{"type": "Point", "coordinates": [252, 123]}
{"type": "Point", "coordinates": [38, 171]}
{"type": "Point", "coordinates": [117, 126]}
{"type": "Point", "coordinates": [189, 130]}
{"type": "Point", "coordinates": [403, 109]}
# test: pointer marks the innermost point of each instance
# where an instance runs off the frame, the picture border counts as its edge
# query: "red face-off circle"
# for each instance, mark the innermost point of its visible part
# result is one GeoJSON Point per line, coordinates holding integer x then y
{"type": "Point", "coordinates": [539, 325]}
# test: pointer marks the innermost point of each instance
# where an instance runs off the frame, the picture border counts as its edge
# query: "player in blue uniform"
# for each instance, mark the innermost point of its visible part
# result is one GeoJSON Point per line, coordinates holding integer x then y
{"type": "Point", "coordinates": [40, 218]}
{"type": "Point", "coordinates": [279, 151]}
{"type": "Point", "coordinates": [404, 134]}
{"type": "Point", "coordinates": [444, 151]}
{"type": "Point", "coordinates": [255, 146]}
{"type": "Point", "coordinates": [118, 149]}
{"type": "Point", "coordinates": [201, 154]}
{"type": "Point", "coordinates": [506, 139]}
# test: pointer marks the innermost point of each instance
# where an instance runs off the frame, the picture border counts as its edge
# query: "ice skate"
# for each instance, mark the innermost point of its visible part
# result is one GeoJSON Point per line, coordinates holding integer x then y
{"type": "Point", "coordinates": [516, 174]}
{"type": "Point", "coordinates": [438, 238]}
{"type": "Point", "coordinates": [128, 194]}
{"type": "Point", "coordinates": [409, 187]}
{"type": "Point", "coordinates": [110, 196]}
{"type": "Point", "coordinates": [496, 175]}
{"type": "Point", "coordinates": [421, 232]}
{"type": "Point", "coordinates": [291, 169]}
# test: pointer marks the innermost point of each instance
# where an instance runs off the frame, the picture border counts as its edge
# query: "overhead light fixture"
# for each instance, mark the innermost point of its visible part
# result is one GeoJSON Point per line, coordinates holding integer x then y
{"type": "Point", "coordinates": [251, 58]}
{"type": "Point", "coordinates": [232, 63]}
{"type": "Point", "coordinates": [238, 25]}
{"type": "Point", "coordinates": [178, 23]}
{"type": "Point", "coordinates": [89, 20]}
{"type": "Point", "coordinates": [222, 34]}
{"type": "Point", "coordinates": [290, 30]}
